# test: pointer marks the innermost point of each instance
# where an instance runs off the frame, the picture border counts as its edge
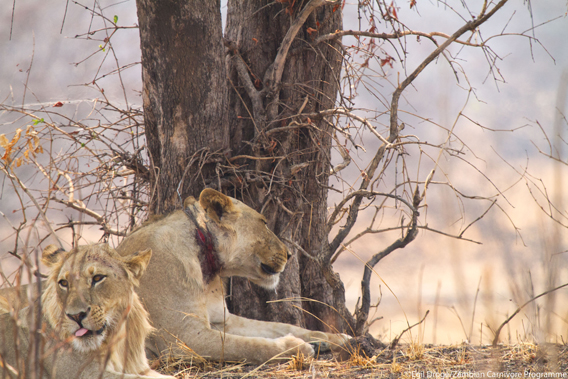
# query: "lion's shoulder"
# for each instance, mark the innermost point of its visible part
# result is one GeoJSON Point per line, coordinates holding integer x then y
{"type": "Point", "coordinates": [4, 305]}
{"type": "Point", "coordinates": [174, 221]}
{"type": "Point", "coordinates": [152, 219]}
{"type": "Point", "coordinates": [160, 233]}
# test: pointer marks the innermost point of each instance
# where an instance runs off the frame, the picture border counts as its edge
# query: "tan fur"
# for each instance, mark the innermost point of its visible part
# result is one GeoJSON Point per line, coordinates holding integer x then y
{"type": "Point", "coordinates": [188, 308]}
{"type": "Point", "coordinates": [89, 289]}
{"type": "Point", "coordinates": [4, 305]}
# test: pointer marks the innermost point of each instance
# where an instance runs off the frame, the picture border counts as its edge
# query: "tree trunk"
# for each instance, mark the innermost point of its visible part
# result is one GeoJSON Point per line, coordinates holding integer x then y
{"type": "Point", "coordinates": [201, 134]}
{"type": "Point", "coordinates": [291, 188]}
{"type": "Point", "coordinates": [184, 94]}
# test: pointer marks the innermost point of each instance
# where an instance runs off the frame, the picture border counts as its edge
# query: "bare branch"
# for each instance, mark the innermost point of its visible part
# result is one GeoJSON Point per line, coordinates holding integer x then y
{"type": "Point", "coordinates": [477, 219]}
{"type": "Point", "coordinates": [346, 159]}
{"type": "Point", "coordinates": [300, 249]}
{"type": "Point", "coordinates": [363, 193]}
{"type": "Point", "coordinates": [395, 35]}
{"type": "Point", "coordinates": [362, 120]}
{"type": "Point", "coordinates": [362, 314]}
{"type": "Point", "coordinates": [255, 96]}
{"type": "Point", "coordinates": [470, 26]}
{"type": "Point", "coordinates": [498, 331]}
{"type": "Point", "coordinates": [352, 216]}
{"type": "Point", "coordinates": [81, 207]}
{"type": "Point", "coordinates": [273, 75]}
{"type": "Point", "coordinates": [34, 201]}
{"type": "Point", "coordinates": [397, 338]}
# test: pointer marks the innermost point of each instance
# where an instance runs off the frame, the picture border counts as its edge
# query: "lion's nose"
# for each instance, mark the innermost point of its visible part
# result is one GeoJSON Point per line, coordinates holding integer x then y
{"type": "Point", "coordinates": [78, 317]}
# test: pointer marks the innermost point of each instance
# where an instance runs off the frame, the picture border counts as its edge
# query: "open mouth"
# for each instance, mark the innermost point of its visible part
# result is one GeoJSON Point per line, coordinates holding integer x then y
{"type": "Point", "coordinates": [84, 333]}
{"type": "Point", "coordinates": [267, 269]}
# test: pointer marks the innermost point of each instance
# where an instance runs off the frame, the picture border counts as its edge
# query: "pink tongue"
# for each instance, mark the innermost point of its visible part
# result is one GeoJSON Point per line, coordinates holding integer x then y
{"type": "Point", "coordinates": [81, 332]}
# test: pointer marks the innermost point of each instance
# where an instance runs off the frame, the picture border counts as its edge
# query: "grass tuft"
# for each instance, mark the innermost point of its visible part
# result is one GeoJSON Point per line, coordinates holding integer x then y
{"type": "Point", "coordinates": [407, 361]}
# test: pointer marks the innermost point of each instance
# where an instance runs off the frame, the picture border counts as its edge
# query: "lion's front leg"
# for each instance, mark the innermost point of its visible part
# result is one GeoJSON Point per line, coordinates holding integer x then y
{"type": "Point", "coordinates": [73, 364]}
{"type": "Point", "coordinates": [223, 321]}
{"type": "Point", "coordinates": [219, 345]}
{"type": "Point", "coordinates": [253, 328]}
{"type": "Point", "coordinates": [117, 375]}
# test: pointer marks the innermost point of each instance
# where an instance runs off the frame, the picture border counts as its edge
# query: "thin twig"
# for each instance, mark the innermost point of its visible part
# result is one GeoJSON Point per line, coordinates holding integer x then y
{"type": "Point", "coordinates": [397, 338]}
{"type": "Point", "coordinates": [36, 204]}
{"type": "Point", "coordinates": [498, 331]}
{"type": "Point", "coordinates": [81, 207]}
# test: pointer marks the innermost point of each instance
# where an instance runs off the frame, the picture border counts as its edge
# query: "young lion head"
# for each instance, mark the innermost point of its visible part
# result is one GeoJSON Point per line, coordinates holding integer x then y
{"type": "Point", "coordinates": [247, 247]}
{"type": "Point", "coordinates": [90, 298]}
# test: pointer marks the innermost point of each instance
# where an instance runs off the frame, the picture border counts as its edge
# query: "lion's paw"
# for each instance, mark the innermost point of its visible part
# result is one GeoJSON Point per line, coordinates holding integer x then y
{"type": "Point", "coordinates": [293, 346]}
{"type": "Point", "coordinates": [318, 336]}
{"type": "Point", "coordinates": [328, 341]}
{"type": "Point", "coordinates": [337, 341]}
{"type": "Point", "coordinates": [339, 338]}
{"type": "Point", "coordinates": [155, 374]}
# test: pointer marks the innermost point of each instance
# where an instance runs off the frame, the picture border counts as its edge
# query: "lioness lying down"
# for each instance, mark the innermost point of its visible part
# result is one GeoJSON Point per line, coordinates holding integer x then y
{"type": "Point", "coordinates": [193, 249]}
{"type": "Point", "coordinates": [94, 325]}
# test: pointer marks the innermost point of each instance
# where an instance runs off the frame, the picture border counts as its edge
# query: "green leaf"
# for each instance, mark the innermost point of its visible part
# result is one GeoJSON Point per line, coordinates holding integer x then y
{"type": "Point", "coordinates": [115, 19]}
{"type": "Point", "coordinates": [38, 121]}
{"type": "Point", "coordinates": [101, 47]}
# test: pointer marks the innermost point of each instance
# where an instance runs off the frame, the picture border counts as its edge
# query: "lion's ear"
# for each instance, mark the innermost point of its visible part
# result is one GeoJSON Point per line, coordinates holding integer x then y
{"type": "Point", "coordinates": [51, 255]}
{"type": "Point", "coordinates": [136, 263]}
{"type": "Point", "coordinates": [215, 204]}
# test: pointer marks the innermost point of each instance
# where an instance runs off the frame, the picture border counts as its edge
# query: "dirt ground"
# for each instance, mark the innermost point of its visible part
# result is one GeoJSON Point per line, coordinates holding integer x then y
{"type": "Point", "coordinates": [406, 361]}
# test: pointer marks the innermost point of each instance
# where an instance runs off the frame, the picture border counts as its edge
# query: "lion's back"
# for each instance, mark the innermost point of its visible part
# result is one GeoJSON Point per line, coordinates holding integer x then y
{"type": "Point", "coordinates": [159, 233]}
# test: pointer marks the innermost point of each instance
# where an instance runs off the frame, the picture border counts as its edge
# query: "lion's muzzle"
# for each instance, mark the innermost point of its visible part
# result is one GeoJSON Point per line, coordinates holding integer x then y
{"type": "Point", "coordinates": [78, 317]}
{"type": "Point", "coordinates": [269, 270]}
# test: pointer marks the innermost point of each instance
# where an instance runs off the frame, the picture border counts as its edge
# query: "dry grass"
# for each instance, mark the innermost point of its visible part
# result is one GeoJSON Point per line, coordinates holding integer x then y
{"type": "Point", "coordinates": [407, 361]}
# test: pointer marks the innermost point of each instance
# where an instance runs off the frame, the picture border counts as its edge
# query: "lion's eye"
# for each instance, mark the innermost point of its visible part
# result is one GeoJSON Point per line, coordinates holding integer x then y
{"type": "Point", "coordinates": [97, 278]}
{"type": "Point", "coordinates": [63, 283]}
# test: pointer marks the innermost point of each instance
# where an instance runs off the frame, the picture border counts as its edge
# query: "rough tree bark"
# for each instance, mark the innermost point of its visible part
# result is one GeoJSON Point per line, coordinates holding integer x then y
{"type": "Point", "coordinates": [247, 141]}
{"type": "Point", "coordinates": [184, 94]}
{"type": "Point", "coordinates": [291, 188]}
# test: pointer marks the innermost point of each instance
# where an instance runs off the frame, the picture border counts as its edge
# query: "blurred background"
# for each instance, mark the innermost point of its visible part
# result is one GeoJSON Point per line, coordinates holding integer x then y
{"type": "Point", "coordinates": [515, 120]}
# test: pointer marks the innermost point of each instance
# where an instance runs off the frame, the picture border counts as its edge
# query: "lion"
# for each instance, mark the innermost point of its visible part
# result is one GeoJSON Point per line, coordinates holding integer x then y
{"type": "Point", "coordinates": [94, 325]}
{"type": "Point", "coordinates": [194, 250]}
{"type": "Point", "coordinates": [4, 305]}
